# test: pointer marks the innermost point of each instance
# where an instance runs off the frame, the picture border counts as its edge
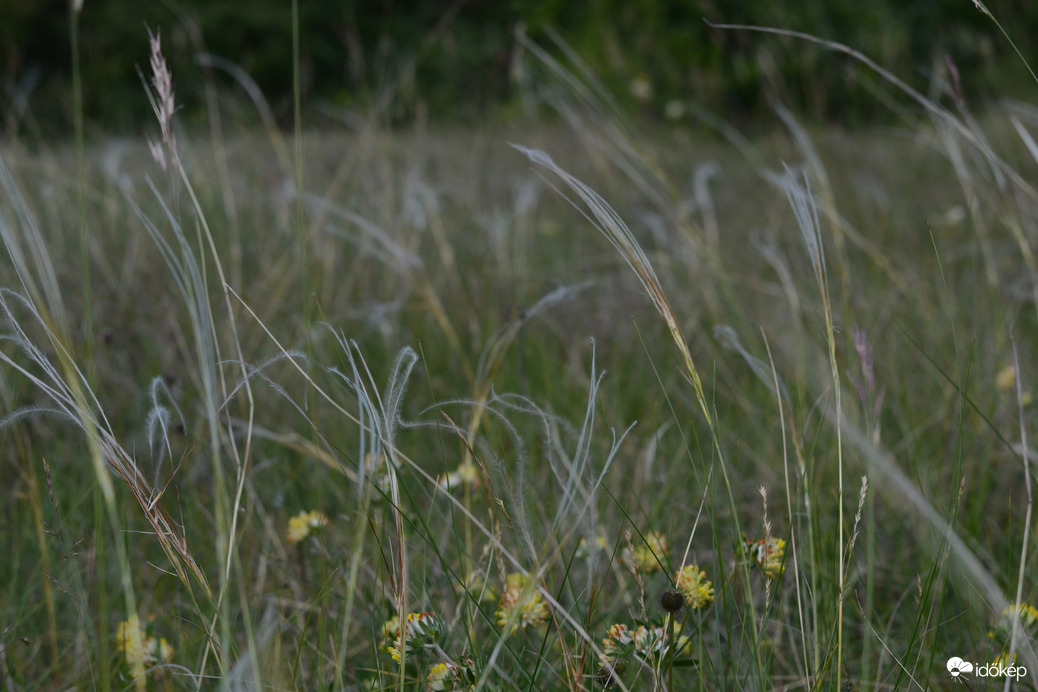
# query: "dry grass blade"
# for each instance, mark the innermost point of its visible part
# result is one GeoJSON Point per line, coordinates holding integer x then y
{"type": "Point", "coordinates": [609, 223]}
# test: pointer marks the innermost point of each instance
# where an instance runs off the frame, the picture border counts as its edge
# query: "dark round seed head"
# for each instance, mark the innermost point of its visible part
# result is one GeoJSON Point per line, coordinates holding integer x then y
{"type": "Point", "coordinates": [609, 674]}
{"type": "Point", "coordinates": [672, 600]}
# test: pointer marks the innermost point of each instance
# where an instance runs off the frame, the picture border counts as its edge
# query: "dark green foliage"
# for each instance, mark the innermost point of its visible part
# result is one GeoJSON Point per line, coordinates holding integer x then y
{"type": "Point", "coordinates": [455, 60]}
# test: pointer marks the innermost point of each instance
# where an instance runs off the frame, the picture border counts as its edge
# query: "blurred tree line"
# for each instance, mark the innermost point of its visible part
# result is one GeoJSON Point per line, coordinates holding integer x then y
{"type": "Point", "coordinates": [457, 60]}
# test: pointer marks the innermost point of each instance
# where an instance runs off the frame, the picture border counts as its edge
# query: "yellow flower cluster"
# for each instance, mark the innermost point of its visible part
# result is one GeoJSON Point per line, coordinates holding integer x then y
{"type": "Point", "coordinates": [302, 525]}
{"type": "Point", "coordinates": [1006, 378]}
{"type": "Point", "coordinates": [140, 648]}
{"type": "Point", "coordinates": [691, 582]}
{"type": "Point", "coordinates": [617, 644]}
{"type": "Point", "coordinates": [768, 555]}
{"type": "Point", "coordinates": [1028, 617]}
{"type": "Point", "coordinates": [1002, 632]}
{"type": "Point", "coordinates": [441, 677]}
{"type": "Point", "coordinates": [421, 631]}
{"type": "Point", "coordinates": [521, 604]}
{"type": "Point", "coordinates": [453, 676]}
{"type": "Point", "coordinates": [1005, 382]}
{"type": "Point", "coordinates": [647, 556]}
{"type": "Point", "coordinates": [1004, 627]}
{"type": "Point", "coordinates": [648, 643]}
{"type": "Point", "coordinates": [587, 547]}
{"type": "Point", "coordinates": [1004, 660]}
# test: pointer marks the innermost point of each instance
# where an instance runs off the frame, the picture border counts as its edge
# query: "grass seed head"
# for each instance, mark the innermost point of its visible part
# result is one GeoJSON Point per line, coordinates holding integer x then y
{"type": "Point", "coordinates": [163, 104]}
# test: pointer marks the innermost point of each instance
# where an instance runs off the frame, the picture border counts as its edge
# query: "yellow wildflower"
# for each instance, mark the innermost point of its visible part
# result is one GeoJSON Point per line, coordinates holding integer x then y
{"type": "Point", "coordinates": [303, 524]}
{"type": "Point", "coordinates": [617, 644]}
{"type": "Point", "coordinates": [653, 642]}
{"type": "Point", "coordinates": [587, 547]}
{"type": "Point", "coordinates": [646, 558]}
{"type": "Point", "coordinates": [390, 627]}
{"type": "Point", "coordinates": [131, 638]}
{"type": "Point", "coordinates": [1028, 619]}
{"type": "Point", "coordinates": [521, 604]}
{"type": "Point", "coordinates": [1004, 660]}
{"type": "Point", "coordinates": [421, 631]}
{"type": "Point", "coordinates": [140, 648]}
{"type": "Point", "coordinates": [1028, 614]}
{"type": "Point", "coordinates": [440, 677]}
{"type": "Point", "coordinates": [768, 555]}
{"type": "Point", "coordinates": [648, 643]}
{"type": "Point", "coordinates": [452, 676]}
{"type": "Point", "coordinates": [691, 582]}
{"type": "Point", "coordinates": [160, 650]}
{"type": "Point", "coordinates": [1005, 381]}
{"type": "Point", "coordinates": [1006, 378]}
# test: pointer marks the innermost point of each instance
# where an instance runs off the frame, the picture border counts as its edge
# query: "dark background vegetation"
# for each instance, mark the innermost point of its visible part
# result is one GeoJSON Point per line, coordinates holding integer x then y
{"type": "Point", "coordinates": [455, 61]}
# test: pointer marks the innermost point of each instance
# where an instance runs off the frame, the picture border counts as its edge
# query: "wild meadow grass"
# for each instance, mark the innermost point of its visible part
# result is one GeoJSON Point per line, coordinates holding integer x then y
{"type": "Point", "coordinates": [569, 404]}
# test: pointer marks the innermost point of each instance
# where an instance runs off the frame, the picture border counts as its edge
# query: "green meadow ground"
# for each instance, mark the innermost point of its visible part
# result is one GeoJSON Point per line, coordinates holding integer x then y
{"type": "Point", "coordinates": [192, 360]}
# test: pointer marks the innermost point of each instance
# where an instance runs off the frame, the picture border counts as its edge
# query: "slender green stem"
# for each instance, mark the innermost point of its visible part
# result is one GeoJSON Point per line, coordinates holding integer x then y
{"type": "Point", "coordinates": [84, 247]}
{"type": "Point", "coordinates": [300, 216]}
{"type": "Point", "coordinates": [983, 8]}
{"type": "Point", "coordinates": [671, 651]}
